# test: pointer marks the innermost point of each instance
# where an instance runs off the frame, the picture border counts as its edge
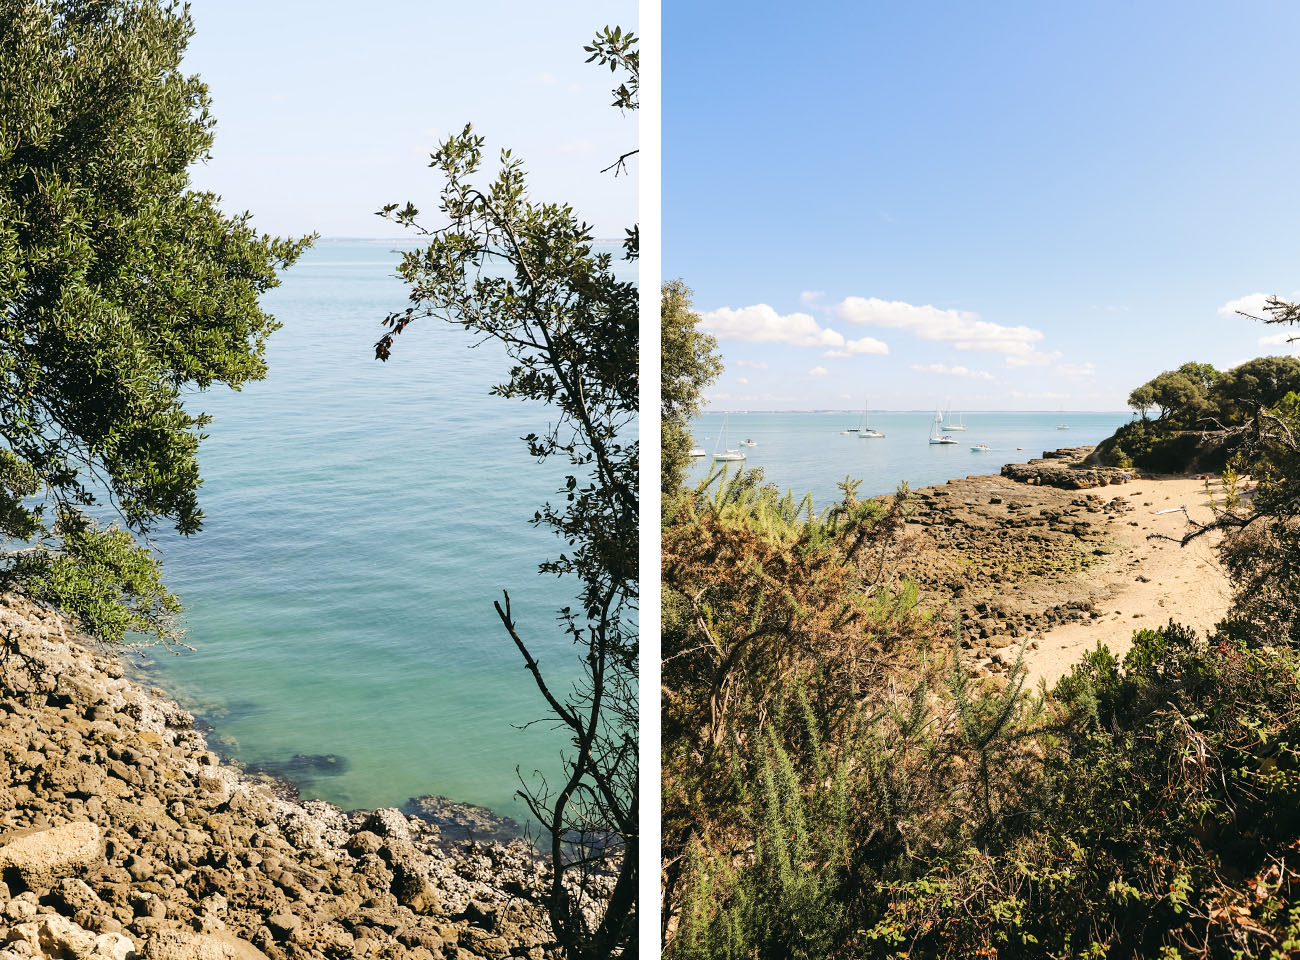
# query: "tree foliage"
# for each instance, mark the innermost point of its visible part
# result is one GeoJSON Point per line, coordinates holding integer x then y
{"type": "Point", "coordinates": [123, 289]}
{"type": "Point", "coordinates": [688, 365]}
{"type": "Point", "coordinates": [528, 275]}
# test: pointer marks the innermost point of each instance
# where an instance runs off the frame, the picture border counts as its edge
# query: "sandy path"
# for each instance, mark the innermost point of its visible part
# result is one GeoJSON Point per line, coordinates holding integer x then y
{"type": "Point", "coordinates": [1150, 580]}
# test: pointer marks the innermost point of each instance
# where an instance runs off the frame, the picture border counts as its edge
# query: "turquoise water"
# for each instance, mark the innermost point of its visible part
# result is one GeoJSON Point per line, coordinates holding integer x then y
{"type": "Point", "coordinates": [807, 453]}
{"type": "Point", "coordinates": [361, 518]}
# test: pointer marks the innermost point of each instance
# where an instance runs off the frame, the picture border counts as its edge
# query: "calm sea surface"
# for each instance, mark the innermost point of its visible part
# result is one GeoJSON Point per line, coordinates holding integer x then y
{"type": "Point", "coordinates": [361, 519]}
{"type": "Point", "coordinates": [806, 452]}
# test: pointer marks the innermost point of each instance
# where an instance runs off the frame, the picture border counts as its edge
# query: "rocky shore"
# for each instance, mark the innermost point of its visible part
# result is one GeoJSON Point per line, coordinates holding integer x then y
{"type": "Point", "coordinates": [1058, 544]}
{"type": "Point", "coordinates": [123, 835]}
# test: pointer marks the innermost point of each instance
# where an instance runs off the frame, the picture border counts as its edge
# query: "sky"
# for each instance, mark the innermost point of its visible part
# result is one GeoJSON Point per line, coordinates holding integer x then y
{"type": "Point", "coordinates": [1006, 206]}
{"type": "Point", "coordinates": [328, 110]}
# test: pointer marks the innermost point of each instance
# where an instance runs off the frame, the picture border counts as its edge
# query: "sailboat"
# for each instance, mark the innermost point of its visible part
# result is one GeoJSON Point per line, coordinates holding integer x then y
{"type": "Point", "coordinates": [959, 425]}
{"type": "Point", "coordinates": [1062, 426]}
{"type": "Point", "coordinates": [935, 435]}
{"type": "Point", "coordinates": [728, 454]}
{"type": "Point", "coordinates": [866, 432]}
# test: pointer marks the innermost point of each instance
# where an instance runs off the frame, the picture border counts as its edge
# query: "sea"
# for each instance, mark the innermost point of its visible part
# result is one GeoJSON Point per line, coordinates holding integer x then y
{"type": "Point", "coordinates": [360, 519]}
{"type": "Point", "coordinates": [809, 452]}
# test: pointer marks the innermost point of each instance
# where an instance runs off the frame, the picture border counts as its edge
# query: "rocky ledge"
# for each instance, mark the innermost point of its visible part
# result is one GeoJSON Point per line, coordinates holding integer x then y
{"type": "Point", "coordinates": [122, 835]}
{"type": "Point", "coordinates": [1011, 556]}
{"type": "Point", "coordinates": [1066, 469]}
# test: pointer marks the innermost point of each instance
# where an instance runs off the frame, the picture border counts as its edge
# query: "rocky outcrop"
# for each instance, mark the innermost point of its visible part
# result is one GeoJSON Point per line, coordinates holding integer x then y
{"type": "Point", "coordinates": [1066, 469]}
{"type": "Point", "coordinates": [122, 834]}
{"type": "Point", "coordinates": [1007, 561]}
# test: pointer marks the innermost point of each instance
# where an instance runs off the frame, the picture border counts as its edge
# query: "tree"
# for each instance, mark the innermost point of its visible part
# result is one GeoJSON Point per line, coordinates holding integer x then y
{"type": "Point", "coordinates": [1204, 375]}
{"type": "Point", "coordinates": [1264, 381]}
{"type": "Point", "coordinates": [122, 289]}
{"type": "Point", "coordinates": [527, 275]}
{"type": "Point", "coordinates": [688, 365]}
{"type": "Point", "coordinates": [1177, 396]}
{"type": "Point", "coordinates": [1142, 399]}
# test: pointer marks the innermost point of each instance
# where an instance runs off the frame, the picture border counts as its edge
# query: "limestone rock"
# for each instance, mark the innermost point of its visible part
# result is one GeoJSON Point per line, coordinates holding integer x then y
{"type": "Point", "coordinates": [40, 857]}
{"type": "Point", "coordinates": [182, 945]}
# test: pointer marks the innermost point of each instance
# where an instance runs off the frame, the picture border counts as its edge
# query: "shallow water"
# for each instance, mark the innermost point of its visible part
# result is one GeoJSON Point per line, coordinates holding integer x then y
{"type": "Point", "coordinates": [361, 518]}
{"type": "Point", "coordinates": [806, 452]}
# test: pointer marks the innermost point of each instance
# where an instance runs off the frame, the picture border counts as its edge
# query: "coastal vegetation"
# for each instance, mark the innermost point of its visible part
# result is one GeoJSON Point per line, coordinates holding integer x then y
{"type": "Point", "coordinates": [527, 274]}
{"type": "Point", "coordinates": [124, 291]}
{"type": "Point", "coordinates": [1197, 408]}
{"type": "Point", "coordinates": [839, 783]}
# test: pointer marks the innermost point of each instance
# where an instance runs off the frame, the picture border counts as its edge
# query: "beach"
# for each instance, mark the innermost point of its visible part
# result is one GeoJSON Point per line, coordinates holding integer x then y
{"type": "Point", "coordinates": [1021, 564]}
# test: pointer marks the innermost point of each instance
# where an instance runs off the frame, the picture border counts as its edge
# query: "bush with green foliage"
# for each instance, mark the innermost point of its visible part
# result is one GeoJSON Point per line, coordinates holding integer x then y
{"type": "Point", "coordinates": [123, 290]}
{"type": "Point", "coordinates": [1153, 446]}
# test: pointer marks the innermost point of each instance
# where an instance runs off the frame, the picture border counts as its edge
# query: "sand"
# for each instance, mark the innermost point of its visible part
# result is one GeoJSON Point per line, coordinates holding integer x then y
{"type": "Point", "coordinates": [1024, 564]}
{"type": "Point", "coordinates": [1147, 581]}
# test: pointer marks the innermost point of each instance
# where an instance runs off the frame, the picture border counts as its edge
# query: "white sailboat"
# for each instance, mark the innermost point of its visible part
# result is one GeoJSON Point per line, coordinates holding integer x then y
{"type": "Point", "coordinates": [1062, 426]}
{"type": "Point", "coordinates": [866, 432]}
{"type": "Point", "coordinates": [728, 454]}
{"type": "Point", "coordinates": [935, 435]}
{"type": "Point", "coordinates": [959, 425]}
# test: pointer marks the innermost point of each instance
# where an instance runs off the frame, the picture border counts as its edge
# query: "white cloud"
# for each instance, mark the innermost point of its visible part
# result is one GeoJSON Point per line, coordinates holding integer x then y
{"type": "Point", "coordinates": [811, 296]}
{"type": "Point", "coordinates": [744, 380]}
{"type": "Point", "coordinates": [866, 345]}
{"type": "Point", "coordinates": [1281, 340]}
{"type": "Point", "coordinates": [960, 329]}
{"type": "Point", "coordinates": [957, 371]}
{"type": "Point", "coordinates": [762, 324]}
{"type": "Point", "coordinates": [1252, 303]}
{"type": "Point", "coordinates": [854, 348]}
{"type": "Point", "coordinates": [548, 78]}
{"type": "Point", "coordinates": [1079, 372]}
{"type": "Point", "coordinates": [1033, 358]}
{"type": "Point", "coordinates": [756, 364]}
{"type": "Point", "coordinates": [1040, 396]}
{"type": "Point", "coordinates": [818, 371]}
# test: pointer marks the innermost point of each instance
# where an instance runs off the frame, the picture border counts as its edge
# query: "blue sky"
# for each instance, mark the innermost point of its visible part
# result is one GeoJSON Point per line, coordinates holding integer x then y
{"type": "Point", "coordinates": [1027, 205]}
{"type": "Point", "coordinates": [327, 110]}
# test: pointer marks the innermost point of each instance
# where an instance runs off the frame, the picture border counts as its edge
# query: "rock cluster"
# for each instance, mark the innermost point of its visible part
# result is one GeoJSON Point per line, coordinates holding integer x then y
{"type": "Point", "coordinates": [1067, 470]}
{"type": "Point", "coordinates": [1008, 561]}
{"type": "Point", "coordinates": [122, 835]}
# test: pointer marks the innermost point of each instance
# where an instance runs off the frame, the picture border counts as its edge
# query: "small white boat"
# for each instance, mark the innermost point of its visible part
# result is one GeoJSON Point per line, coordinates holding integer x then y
{"type": "Point", "coordinates": [748, 443]}
{"type": "Point", "coordinates": [864, 431]}
{"type": "Point", "coordinates": [981, 448]}
{"type": "Point", "coordinates": [697, 452]}
{"type": "Point", "coordinates": [727, 454]}
{"type": "Point", "coordinates": [935, 436]}
{"type": "Point", "coordinates": [1062, 426]}
{"type": "Point", "coordinates": [959, 425]}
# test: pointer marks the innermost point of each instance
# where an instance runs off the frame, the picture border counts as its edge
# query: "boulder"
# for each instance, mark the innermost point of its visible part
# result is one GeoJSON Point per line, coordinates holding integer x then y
{"type": "Point", "coordinates": [40, 857]}
{"type": "Point", "coordinates": [183, 945]}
